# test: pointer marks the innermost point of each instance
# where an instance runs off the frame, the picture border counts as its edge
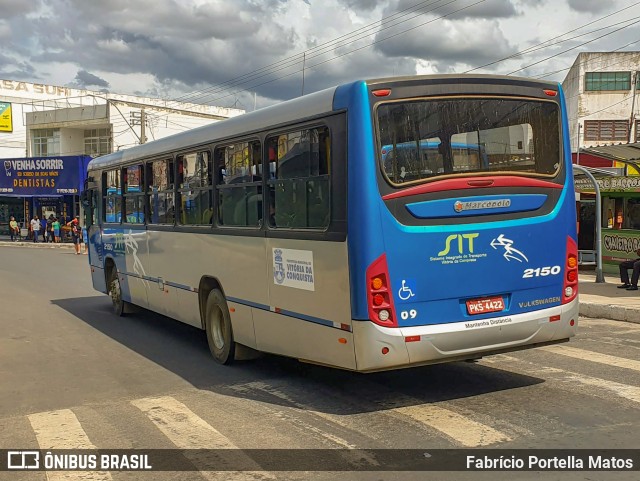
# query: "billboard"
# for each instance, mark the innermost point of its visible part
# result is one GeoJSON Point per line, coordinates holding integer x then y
{"type": "Point", "coordinates": [43, 176]}
{"type": "Point", "coordinates": [6, 122]}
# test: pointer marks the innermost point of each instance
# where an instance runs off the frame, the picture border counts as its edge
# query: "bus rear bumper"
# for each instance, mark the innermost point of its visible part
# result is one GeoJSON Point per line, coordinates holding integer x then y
{"type": "Point", "coordinates": [431, 344]}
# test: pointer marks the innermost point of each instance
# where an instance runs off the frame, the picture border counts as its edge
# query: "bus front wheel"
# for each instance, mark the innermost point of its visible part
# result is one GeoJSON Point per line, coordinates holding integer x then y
{"type": "Point", "coordinates": [115, 292]}
{"type": "Point", "coordinates": [218, 327]}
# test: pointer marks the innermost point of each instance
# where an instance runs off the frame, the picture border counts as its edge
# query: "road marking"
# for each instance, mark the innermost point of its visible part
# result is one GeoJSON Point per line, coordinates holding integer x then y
{"type": "Point", "coordinates": [460, 428]}
{"type": "Point", "coordinates": [626, 391]}
{"type": "Point", "coordinates": [594, 357]}
{"type": "Point", "coordinates": [62, 430]}
{"type": "Point", "coordinates": [187, 430]}
{"type": "Point", "coordinates": [264, 387]}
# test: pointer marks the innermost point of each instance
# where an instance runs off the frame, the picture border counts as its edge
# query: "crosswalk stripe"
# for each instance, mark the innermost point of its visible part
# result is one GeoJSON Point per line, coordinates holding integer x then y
{"type": "Point", "coordinates": [461, 429]}
{"type": "Point", "coordinates": [187, 430]}
{"type": "Point", "coordinates": [626, 391]}
{"type": "Point", "coordinates": [62, 430]}
{"type": "Point", "coordinates": [261, 386]}
{"type": "Point", "coordinates": [594, 357]}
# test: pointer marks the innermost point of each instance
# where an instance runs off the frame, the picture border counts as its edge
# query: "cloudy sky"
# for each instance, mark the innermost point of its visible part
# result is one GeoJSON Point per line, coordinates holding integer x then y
{"type": "Point", "coordinates": [235, 52]}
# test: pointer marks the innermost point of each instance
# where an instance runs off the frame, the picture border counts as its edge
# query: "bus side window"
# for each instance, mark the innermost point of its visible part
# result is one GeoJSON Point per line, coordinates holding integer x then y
{"type": "Point", "coordinates": [299, 191]}
{"type": "Point", "coordinates": [239, 184]}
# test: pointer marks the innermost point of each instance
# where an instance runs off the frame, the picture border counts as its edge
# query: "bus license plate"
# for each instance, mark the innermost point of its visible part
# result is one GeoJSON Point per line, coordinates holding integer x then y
{"type": "Point", "coordinates": [482, 306]}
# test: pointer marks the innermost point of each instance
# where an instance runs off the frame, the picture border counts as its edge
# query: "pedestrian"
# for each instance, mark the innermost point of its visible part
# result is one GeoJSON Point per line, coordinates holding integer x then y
{"type": "Point", "coordinates": [35, 228]}
{"type": "Point", "coordinates": [50, 237]}
{"type": "Point", "coordinates": [624, 273]}
{"type": "Point", "coordinates": [14, 230]}
{"type": "Point", "coordinates": [43, 228]}
{"type": "Point", "coordinates": [55, 225]}
{"type": "Point", "coordinates": [75, 233]}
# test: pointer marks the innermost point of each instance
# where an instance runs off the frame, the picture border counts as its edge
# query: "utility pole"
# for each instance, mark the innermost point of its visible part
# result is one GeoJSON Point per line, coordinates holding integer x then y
{"type": "Point", "coordinates": [578, 146]}
{"type": "Point", "coordinates": [634, 83]}
{"type": "Point", "coordinates": [141, 119]}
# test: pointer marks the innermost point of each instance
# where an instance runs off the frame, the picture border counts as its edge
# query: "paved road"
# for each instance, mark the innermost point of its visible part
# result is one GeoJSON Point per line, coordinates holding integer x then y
{"type": "Point", "coordinates": [73, 375]}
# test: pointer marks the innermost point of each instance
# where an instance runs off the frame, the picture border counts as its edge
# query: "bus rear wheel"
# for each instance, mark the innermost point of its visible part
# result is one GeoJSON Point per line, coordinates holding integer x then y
{"type": "Point", "coordinates": [218, 327]}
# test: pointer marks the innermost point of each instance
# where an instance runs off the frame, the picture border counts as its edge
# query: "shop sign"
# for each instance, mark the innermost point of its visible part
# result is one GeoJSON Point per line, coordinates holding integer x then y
{"type": "Point", "coordinates": [43, 176]}
{"type": "Point", "coordinates": [608, 184]}
{"type": "Point", "coordinates": [6, 121]}
{"type": "Point", "coordinates": [620, 244]}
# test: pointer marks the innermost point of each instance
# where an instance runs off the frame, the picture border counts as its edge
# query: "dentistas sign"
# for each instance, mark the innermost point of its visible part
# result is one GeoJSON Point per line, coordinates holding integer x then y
{"type": "Point", "coordinates": [43, 176]}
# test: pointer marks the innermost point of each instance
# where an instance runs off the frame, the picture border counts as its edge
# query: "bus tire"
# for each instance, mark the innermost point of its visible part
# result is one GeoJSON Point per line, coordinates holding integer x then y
{"type": "Point", "coordinates": [218, 328]}
{"type": "Point", "coordinates": [115, 292]}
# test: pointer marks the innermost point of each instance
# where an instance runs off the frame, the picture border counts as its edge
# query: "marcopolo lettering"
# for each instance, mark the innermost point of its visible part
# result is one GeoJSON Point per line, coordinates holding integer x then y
{"type": "Point", "coordinates": [459, 206]}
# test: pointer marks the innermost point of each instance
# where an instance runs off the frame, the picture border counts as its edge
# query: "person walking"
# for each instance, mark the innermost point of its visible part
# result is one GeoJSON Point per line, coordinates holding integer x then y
{"type": "Point", "coordinates": [43, 229]}
{"type": "Point", "coordinates": [55, 225]}
{"type": "Point", "coordinates": [35, 228]}
{"type": "Point", "coordinates": [624, 273]}
{"type": "Point", "coordinates": [14, 230]}
{"type": "Point", "coordinates": [75, 233]}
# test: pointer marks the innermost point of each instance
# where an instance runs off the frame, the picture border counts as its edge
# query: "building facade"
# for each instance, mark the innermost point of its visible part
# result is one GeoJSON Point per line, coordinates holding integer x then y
{"type": "Point", "coordinates": [602, 90]}
{"type": "Point", "coordinates": [44, 126]}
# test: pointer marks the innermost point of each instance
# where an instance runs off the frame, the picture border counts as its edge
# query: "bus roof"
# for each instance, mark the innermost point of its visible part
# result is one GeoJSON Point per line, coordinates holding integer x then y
{"type": "Point", "coordinates": [299, 108]}
{"type": "Point", "coordinates": [303, 107]}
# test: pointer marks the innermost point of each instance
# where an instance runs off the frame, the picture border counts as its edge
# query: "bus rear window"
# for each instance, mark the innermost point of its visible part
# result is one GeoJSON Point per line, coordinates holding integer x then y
{"type": "Point", "coordinates": [423, 140]}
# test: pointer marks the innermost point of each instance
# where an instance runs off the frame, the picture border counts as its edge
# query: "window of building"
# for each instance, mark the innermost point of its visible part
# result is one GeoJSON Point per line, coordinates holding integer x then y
{"type": "Point", "coordinates": [45, 142]}
{"type": "Point", "coordinates": [612, 130]}
{"type": "Point", "coordinates": [134, 195]}
{"type": "Point", "coordinates": [97, 142]}
{"type": "Point", "coordinates": [160, 192]}
{"type": "Point", "coordinates": [194, 188]}
{"type": "Point", "coordinates": [112, 187]}
{"type": "Point", "coordinates": [239, 184]}
{"type": "Point", "coordinates": [607, 81]}
{"type": "Point", "coordinates": [299, 167]}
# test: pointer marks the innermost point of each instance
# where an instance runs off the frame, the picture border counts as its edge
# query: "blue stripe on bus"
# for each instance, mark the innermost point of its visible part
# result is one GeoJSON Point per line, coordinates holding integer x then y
{"type": "Point", "coordinates": [285, 312]}
{"type": "Point", "coordinates": [264, 307]}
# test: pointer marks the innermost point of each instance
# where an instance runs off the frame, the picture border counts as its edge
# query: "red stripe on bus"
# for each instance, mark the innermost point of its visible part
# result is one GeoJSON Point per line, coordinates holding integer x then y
{"type": "Point", "coordinates": [472, 183]}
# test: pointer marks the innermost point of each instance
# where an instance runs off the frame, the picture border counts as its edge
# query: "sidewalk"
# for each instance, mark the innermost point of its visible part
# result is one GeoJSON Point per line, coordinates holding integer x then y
{"type": "Point", "coordinates": [605, 300]}
{"type": "Point", "coordinates": [5, 240]}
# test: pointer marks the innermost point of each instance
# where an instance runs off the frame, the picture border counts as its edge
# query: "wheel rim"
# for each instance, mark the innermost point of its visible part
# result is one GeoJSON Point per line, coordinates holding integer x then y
{"type": "Point", "coordinates": [116, 293]}
{"type": "Point", "coordinates": [217, 329]}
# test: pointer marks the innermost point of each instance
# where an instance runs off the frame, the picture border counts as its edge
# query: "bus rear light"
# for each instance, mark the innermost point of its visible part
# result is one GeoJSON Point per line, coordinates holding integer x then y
{"type": "Point", "coordinates": [385, 350]}
{"type": "Point", "coordinates": [381, 92]}
{"type": "Point", "coordinates": [572, 322]}
{"type": "Point", "coordinates": [411, 338]}
{"type": "Point", "coordinates": [554, 318]}
{"type": "Point", "coordinates": [342, 340]}
{"type": "Point", "coordinates": [570, 287]}
{"type": "Point", "coordinates": [550, 93]}
{"type": "Point", "coordinates": [379, 298]}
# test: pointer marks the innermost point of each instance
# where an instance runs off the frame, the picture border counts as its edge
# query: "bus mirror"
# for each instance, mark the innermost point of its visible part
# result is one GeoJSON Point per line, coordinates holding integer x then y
{"type": "Point", "coordinates": [90, 184]}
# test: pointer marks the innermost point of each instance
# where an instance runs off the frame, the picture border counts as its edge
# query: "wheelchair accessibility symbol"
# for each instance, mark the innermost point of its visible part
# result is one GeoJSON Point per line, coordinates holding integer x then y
{"type": "Point", "coordinates": [406, 291]}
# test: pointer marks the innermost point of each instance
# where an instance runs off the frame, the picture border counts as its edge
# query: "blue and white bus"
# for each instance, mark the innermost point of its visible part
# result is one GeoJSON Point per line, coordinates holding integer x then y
{"type": "Point", "coordinates": [379, 224]}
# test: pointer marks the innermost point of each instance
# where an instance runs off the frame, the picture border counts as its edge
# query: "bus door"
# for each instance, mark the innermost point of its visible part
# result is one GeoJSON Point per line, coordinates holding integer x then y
{"type": "Point", "coordinates": [90, 199]}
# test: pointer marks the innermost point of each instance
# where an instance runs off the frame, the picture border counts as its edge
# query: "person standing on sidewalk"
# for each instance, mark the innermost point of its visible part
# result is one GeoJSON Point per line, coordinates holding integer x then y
{"type": "Point", "coordinates": [56, 230]}
{"type": "Point", "coordinates": [624, 273]}
{"type": "Point", "coordinates": [35, 228]}
{"type": "Point", "coordinates": [14, 230]}
{"type": "Point", "coordinates": [75, 233]}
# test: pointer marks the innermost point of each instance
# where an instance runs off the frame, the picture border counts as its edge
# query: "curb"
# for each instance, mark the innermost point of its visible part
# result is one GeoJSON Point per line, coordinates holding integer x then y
{"type": "Point", "coordinates": [610, 311]}
{"type": "Point", "coordinates": [39, 245]}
